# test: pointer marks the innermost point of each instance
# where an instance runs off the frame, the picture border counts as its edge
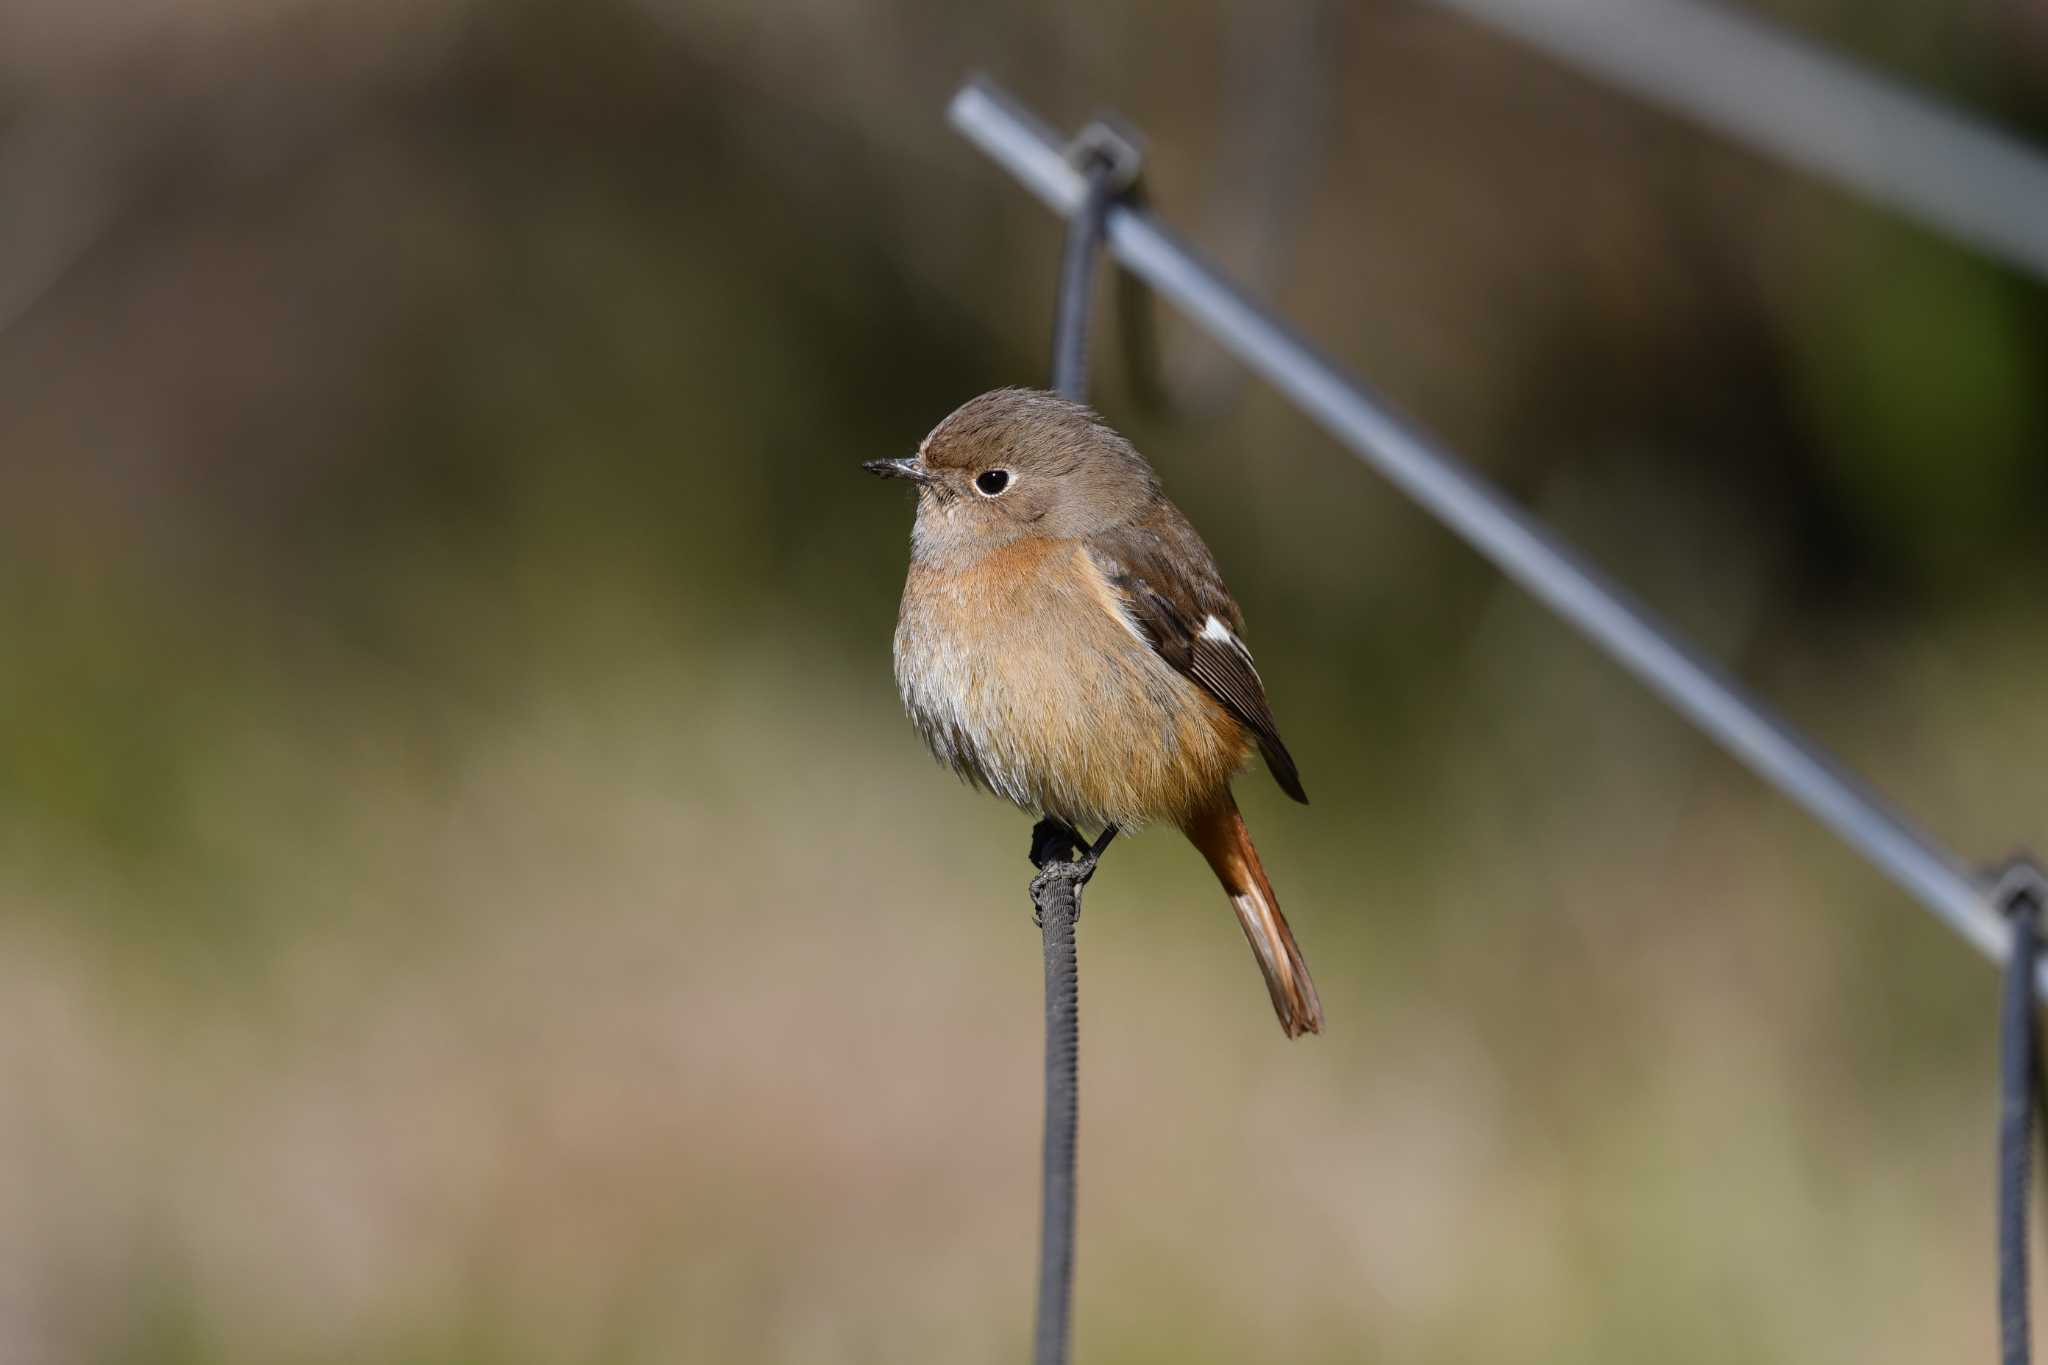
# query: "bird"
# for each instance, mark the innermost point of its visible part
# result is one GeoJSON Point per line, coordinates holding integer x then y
{"type": "Point", "coordinates": [1066, 641]}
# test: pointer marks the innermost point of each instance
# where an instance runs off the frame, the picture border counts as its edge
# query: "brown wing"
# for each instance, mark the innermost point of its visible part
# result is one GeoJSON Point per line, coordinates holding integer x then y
{"type": "Point", "coordinates": [1180, 605]}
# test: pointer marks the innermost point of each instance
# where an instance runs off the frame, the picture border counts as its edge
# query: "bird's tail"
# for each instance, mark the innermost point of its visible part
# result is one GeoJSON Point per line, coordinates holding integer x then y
{"type": "Point", "coordinates": [1220, 833]}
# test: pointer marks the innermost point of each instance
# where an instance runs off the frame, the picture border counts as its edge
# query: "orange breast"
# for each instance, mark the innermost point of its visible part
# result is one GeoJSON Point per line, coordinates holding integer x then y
{"type": "Point", "coordinates": [1024, 675]}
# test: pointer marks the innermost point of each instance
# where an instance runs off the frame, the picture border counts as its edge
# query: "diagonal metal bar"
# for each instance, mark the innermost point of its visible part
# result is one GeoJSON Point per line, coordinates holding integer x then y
{"type": "Point", "coordinates": [1513, 540]}
{"type": "Point", "coordinates": [1794, 100]}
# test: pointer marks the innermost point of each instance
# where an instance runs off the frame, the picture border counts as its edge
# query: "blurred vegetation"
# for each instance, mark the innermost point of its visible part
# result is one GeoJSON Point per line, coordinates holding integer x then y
{"type": "Point", "coordinates": [468, 894]}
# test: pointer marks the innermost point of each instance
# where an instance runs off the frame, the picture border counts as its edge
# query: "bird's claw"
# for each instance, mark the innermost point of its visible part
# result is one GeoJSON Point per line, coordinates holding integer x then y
{"type": "Point", "coordinates": [1078, 872]}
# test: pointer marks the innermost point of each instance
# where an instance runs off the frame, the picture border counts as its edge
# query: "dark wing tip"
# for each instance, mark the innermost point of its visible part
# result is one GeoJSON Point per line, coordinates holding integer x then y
{"type": "Point", "coordinates": [1281, 764]}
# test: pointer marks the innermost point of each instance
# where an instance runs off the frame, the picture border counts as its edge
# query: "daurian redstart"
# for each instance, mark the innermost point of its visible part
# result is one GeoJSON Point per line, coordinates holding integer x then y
{"type": "Point", "coordinates": [1066, 642]}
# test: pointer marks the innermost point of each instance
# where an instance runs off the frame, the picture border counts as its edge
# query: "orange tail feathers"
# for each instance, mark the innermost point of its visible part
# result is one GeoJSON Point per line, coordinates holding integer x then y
{"type": "Point", "coordinates": [1220, 833]}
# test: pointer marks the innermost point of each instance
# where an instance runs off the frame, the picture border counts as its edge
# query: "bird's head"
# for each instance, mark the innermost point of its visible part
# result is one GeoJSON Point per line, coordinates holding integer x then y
{"type": "Point", "coordinates": [1019, 463]}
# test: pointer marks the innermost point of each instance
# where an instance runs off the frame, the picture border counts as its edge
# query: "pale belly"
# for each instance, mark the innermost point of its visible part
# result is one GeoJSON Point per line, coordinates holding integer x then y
{"type": "Point", "coordinates": [1023, 676]}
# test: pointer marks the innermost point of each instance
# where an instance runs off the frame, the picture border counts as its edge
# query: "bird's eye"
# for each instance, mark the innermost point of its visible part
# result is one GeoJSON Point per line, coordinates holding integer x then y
{"type": "Point", "coordinates": [990, 483]}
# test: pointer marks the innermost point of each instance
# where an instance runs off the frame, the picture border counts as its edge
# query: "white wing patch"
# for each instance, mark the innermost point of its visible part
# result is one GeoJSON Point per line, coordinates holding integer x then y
{"type": "Point", "coordinates": [1214, 629]}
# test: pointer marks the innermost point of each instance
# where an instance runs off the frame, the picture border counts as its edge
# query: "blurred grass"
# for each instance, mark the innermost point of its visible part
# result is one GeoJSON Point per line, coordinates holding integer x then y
{"type": "Point", "coordinates": [555, 1045]}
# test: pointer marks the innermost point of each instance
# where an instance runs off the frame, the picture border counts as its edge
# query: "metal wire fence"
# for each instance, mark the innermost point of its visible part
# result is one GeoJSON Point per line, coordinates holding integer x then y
{"type": "Point", "coordinates": [1518, 544]}
{"type": "Point", "coordinates": [1993, 194]}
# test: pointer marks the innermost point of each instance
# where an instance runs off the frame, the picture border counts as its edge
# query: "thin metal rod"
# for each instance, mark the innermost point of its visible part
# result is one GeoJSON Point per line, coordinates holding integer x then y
{"type": "Point", "coordinates": [1506, 535]}
{"type": "Point", "coordinates": [1057, 889]}
{"type": "Point", "coordinates": [1783, 95]}
{"type": "Point", "coordinates": [2019, 1073]}
{"type": "Point", "coordinates": [1077, 286]}
{"type": "Point", "coordinates": [1059, 903]}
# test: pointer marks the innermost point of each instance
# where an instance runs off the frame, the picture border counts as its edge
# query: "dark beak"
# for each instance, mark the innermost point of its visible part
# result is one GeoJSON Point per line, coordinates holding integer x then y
{"type": "Point", "coordinates": [898, 469]}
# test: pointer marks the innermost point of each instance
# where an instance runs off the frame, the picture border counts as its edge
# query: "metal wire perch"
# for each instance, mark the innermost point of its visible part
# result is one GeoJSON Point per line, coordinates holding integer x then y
{"type": "Point", "coordinates": [2022, 893]}
{"type": "Point", "coordinates": [1108, 164]}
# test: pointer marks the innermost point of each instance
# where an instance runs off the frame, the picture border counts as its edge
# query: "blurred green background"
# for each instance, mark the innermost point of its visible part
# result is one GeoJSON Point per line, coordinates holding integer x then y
{"type": "Point", "coordinates": [467, 892]}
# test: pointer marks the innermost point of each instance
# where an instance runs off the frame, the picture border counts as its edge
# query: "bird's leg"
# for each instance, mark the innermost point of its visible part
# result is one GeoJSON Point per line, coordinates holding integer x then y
{"type": "Point", "coordinates": [1056, 841]}
{"type": "Point", "coordinates": [1084, 866]}
{"type": "Point", "coordinates": [1053, 841]}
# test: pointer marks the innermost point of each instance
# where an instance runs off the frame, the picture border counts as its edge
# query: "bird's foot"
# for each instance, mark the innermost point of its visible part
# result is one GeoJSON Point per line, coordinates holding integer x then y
{"type": "Point", "coordinates": [1052, 873]}
{"type": "Point", "coordinates": [1052, 845]}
